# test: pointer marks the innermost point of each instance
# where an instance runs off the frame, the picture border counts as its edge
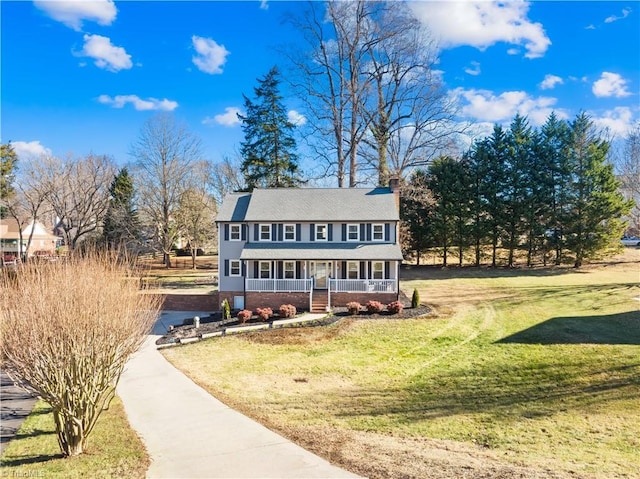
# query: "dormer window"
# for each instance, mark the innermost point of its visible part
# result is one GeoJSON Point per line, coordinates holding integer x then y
{"type": "Point", "coordinates": [321, 233]}
{"type": "Point", "coordinates": [265, 232]}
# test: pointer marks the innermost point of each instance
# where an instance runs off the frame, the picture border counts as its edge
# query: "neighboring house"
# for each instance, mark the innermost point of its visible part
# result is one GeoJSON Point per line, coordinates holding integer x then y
{"type": "Point", "coordinates": [313, 248]}
{"type": "Point", "coordinates": [42, 242]}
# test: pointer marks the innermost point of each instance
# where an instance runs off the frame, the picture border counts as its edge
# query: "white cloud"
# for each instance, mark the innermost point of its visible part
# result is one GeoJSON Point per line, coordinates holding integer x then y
{"type": "Point", "coordinates": [610, 84]}
{"type": "Point", "coordinates": [73, 12]}
{"type": "Point", "coordinates": [550, 81]}
{"type": "Point", "coordinates": [485, 106]}
{"type": "Point", "coordinates": [264, 4]}
{"type": "Point", "coordinates": [618, 121]}
{"type": "Point", "coordinates": [210, 56]}
{"type": "Point", "coordinates": [296, 118]}
{"type": "Point", "coordinates": [29, 149]}
{"type": "Point", "coordinates": [613, 18]}
{"type": "Point", "coordinates": [474, 69]}
{"type": "Point", "coordinates": [228, 118]}
{"type": "Point", "coordinates": [119, 101]}
{"type": "Point", "coordinates": [106, 55]}
{"type": "Point", "coordinates": [482, 24]}
{"type": "Point", "coordinates": [590, 27]}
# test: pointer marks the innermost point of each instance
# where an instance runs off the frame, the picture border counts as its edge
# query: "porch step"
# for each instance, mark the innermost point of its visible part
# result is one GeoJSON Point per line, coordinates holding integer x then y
{"type": "Point", "coordinates": [319, 302]}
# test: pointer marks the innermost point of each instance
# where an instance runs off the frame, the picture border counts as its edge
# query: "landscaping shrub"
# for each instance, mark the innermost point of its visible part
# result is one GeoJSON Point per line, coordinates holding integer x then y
{"type": "Point", "coordinates": [354, 307]}
{"type": "Point", "coordinates": [226, 309]}
{"type": "Point", "coordinates": [244, 315]}
{"type": "Point", "coordinates": [264, 313]}
{"type": "Point", "coordinates": [415, 299]}
{"type": "Point", "coordinates": [68, 329]}
{"type": "Point", "coordinates": [395, 307]}
{"type": "Point", "coordinates": [374, 307]}
{"type": "Point", "coordinates": [287, 311]}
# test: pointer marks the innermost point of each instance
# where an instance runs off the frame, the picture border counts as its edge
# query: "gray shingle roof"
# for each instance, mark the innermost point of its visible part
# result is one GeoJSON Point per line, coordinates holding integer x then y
{"type": "Point", "coordinates": [234, 207]}
{"type": "Point", "coordinates": [314, 204]}
{"type": "Point", "coordinates": [321, 251]}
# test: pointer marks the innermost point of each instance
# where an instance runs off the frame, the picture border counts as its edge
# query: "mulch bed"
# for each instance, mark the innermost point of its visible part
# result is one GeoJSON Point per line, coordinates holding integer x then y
{"type": "Point", "coordinates": [215, 322]}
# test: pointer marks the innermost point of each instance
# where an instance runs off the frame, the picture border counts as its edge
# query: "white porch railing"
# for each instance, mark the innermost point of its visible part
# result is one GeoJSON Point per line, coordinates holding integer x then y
{"type": "Point", "coordinates": [278, 285]}
{"type": "Point", "coordinates": [363, 285]}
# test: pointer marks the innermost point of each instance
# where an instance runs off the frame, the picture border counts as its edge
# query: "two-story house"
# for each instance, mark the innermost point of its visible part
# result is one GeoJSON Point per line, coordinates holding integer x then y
{"type": "Point", "coordinates": [313, 248]}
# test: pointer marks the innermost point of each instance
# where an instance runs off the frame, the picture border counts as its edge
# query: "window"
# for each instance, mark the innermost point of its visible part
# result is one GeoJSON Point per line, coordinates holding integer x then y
{"type": "Point", "coordinates": [377, 270]}
{"type": "Point", "coordinates": [234, 267]}
{"type": "Point", "coordinates": [353, 270]}
{"type": "Point", "coordinates": [321, 233]}
{"type": "Point", "coordinates": [289, 232]}
{"type": "Point", "coordinates": [265, 269]}
{"type": "Point", "coordinates": [289, 269]}
{"type": "Point", "coordinates": [265, 232]}
{"type": "Point", "coordinates": [378, 233]}
{"type": "Point", "coordinates": [234, 233]}
{"type": "Point", "coordinates": [353, 232]}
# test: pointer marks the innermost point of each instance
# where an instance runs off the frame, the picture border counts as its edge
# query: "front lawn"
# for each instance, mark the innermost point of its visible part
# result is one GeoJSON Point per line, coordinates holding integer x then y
{"type": "Point", "coordinates": [516, 374]}
{"type": "Point", "coordinates": [114, 451]}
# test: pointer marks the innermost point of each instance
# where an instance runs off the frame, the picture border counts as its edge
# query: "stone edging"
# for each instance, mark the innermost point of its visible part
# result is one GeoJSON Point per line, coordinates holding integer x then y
{"type": "Point", "coordinates": [279, 323]}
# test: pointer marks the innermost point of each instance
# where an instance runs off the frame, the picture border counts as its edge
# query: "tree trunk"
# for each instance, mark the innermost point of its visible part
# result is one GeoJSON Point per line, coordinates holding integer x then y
{"type": "Point", "coordinates": [71, 437]}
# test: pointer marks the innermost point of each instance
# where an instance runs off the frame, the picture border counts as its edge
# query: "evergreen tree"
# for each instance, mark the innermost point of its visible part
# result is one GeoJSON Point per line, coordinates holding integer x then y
{"type": "Point", "coordinates": [517, 191]}
{"type": "Point", "coordinates": [494, 171]}
{"type": "Point", "coordinates": [596, 202]}
{"type": "Point", "coordinates": [448, 181]}
{"type": "Point", "coordinates": [8, 164]}
{"type": "Point", "coordinates": [552, 152]}
{"type": "Point", "coordinates": [121, 224]}
{"type": "Point", "coordinates": [268, 150]}
{"type": "Point", "coordinates": [416, 211]}
{"type": "Point", "coordinates": [479, 226]}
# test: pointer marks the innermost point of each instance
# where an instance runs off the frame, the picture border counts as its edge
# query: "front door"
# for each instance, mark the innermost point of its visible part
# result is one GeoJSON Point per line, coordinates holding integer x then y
{"type": "Point", "coordinates": [321, 273]}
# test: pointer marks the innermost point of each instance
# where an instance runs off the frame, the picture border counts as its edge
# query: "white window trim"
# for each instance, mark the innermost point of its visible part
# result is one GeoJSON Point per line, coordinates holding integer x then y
{"type": "Point", "coordinates": [373, 230]}
{"type": "Point", "coordinates": [373, 269]}
{"type": "Point", "coordinates": [231, 262]}
{"type": "Point", "coordinates": [293, 270]}
{"type": "Point", "coordinates": [349, 263]}
{"type": "Point", "coordinates": [357, 226]}
{"type": "Point", "coordinates": [266, 225]}
{"type": "Point", "coordinates": [260, 263]}
{"type": "Point", "coordinates": [326, 232]}
{"type": "Point", "coordinates": [284, 232]}
{"type": "Point", "coordinates": [231, 233]}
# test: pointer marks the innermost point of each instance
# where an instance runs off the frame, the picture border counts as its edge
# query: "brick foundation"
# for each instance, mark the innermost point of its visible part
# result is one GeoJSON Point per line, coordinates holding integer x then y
{"type": "Point", "coordinates": [190, 302]}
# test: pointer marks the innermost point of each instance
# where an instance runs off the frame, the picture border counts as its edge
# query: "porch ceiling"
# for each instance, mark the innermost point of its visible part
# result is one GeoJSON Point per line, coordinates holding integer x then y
{"type": "Point", "coordinates": [321, 251]}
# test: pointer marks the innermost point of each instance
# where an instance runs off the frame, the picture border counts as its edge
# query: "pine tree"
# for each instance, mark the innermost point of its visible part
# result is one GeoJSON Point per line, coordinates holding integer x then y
{"type": "Point", "coordinates": [121, 224]}
{"type": "Point", "coordinates": [8, 164]}
{"type": "Point", "coordinates": [268, 150]}
{"type": "Point", "coordinates": [596, 202]}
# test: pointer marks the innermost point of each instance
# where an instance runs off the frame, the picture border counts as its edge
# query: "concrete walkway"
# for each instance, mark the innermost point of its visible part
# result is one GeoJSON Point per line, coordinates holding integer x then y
{"type": "Point", "coordinates": [189, 434]}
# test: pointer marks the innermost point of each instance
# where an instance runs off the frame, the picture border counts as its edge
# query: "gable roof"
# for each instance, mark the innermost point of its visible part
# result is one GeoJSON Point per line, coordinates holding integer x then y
{"type": "Point", "coordinates": [10, 229]}
{"type": "Point", "coordinates": [311, 204]}
{"type": "Point", "coordinates": [234, 207]}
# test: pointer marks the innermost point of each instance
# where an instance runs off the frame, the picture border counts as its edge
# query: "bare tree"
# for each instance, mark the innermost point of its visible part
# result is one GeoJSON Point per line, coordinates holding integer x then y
{"type": "Point", "coordinates": [67, 330]}
{"type": "Point", "coordinates": [629, 174]}
{"type": "Point", "coordinates": [226, 178]}
{"type": "Point", "coordinates": [165, 152]}
{"type": "Point", "coordinates": [196, 211]}
{"type": "Point", "coordinates": [371, 89]}
{"type": "Point", "coordinates": [29, 202]}
{"type": "Point", "coordinates": [328, 80]}
{"type": "Point", "coordinates": [77, 191]}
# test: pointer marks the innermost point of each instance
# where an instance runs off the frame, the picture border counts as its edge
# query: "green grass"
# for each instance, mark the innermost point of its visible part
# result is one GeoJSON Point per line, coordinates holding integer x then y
{"type": "Point", "coordinates": [114, 450]}
{"type": "Point", "coordinates": [543, 369]}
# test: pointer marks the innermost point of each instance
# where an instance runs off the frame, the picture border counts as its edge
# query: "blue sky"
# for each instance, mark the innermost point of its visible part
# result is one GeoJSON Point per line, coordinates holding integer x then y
{"type": "Point", "coordinates": [80, 77]}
